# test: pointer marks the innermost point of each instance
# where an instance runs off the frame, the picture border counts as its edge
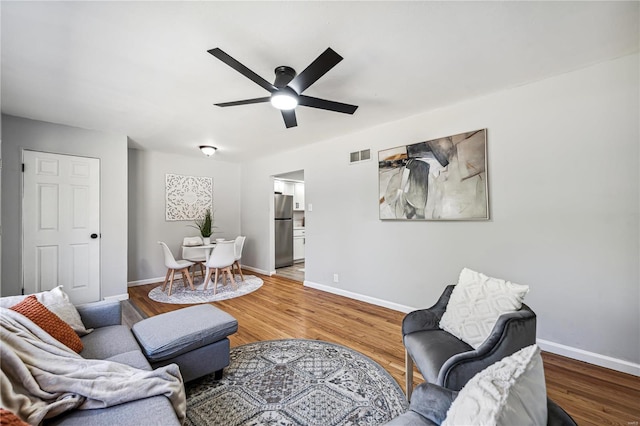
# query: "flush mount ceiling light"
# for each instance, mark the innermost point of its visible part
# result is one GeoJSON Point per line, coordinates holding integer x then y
{"type": "Point", "coordinates": [208, 150]}
{"type": "Point", "coordinates": [284, 99]}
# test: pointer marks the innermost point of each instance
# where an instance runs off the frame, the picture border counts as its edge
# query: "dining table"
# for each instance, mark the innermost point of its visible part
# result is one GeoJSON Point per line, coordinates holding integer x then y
{"type": "Point", "coordinates": [208, 248]}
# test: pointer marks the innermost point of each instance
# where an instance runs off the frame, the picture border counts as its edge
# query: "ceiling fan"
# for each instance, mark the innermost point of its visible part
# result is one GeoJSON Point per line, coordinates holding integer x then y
{"type": "Point", "coordinates": [286, 91]}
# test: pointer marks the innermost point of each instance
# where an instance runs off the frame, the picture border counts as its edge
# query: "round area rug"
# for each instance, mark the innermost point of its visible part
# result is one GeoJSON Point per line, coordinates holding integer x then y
{"type": "Point", "coordinates": [184, 295]}
{"type": "Point", "coordinates": [295, 382]}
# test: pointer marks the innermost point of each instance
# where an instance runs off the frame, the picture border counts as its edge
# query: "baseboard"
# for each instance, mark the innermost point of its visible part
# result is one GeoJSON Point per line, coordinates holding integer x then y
{"type": "Point", "coordinates": [545, 345]}
{"type": "Point", "coordinates": [124, 296]}
{"type": "Point", "coordinates": [361, 297]}
{"type": "Point", "coordinates": [251, 268]}
{"type": "Point", "coordinates": [161, 279]}
{"type": "Point", "coordinates": [144, 282]}
{"type": "Point", "coordinates": [590, 357]}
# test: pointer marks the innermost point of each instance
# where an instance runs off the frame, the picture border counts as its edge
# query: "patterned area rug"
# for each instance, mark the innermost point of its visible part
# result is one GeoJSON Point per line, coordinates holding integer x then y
{"type": "Point", "coordinates": [295, 382]}
{"type": "Point", "coordinates": [184, 295]}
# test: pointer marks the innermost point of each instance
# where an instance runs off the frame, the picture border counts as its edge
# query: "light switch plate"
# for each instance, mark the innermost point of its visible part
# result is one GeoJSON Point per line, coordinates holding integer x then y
{"type": "Point", "coordinates": [310, 207]}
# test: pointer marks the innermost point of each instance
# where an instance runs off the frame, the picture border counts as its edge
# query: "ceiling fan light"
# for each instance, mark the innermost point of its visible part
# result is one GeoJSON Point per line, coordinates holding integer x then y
{"type": "Point", "coordinates": [208, 150]}
{"type": "Point", "coordinates": [284, 100]}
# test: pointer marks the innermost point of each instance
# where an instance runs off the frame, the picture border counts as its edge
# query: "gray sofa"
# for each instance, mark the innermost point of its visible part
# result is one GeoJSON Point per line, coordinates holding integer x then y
{"type": "Point", "coordinates": [194, 338]}
{"type": "Point", "coordinates": [115, 342]}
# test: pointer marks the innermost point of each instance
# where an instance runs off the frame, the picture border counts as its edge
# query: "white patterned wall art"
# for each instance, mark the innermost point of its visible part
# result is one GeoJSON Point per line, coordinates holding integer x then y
{"type": "Point", "coordinates": [188, 197]}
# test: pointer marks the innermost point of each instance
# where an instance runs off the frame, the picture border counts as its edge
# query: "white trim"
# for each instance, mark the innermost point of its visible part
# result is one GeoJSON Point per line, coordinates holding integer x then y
{"type": "Point", "coordinates": [118, 297]}
{"type": "Point", "coordinates": [260, 271]}
{"type": "Point", "coordinates": [144, 282]}
{"type": "Point", "coordinates": [361, 297]}
{"type": "Point", "coordinates": [545, 345]}
{"type": "Point", "coordinates": [590, 357]}
{"type": "Point", "coordinates": [160, 280]}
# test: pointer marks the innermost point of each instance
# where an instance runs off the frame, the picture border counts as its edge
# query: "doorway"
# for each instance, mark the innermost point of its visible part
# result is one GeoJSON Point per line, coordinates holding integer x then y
{"type": "Point", "coordinates": [61, 225]}
{"type": "Point", "coordinates": [289, 225]}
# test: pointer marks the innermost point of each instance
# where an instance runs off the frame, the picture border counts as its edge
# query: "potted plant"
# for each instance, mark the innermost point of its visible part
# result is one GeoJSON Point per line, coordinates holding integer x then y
{"type": "Point", "coordinates": [205, 225]}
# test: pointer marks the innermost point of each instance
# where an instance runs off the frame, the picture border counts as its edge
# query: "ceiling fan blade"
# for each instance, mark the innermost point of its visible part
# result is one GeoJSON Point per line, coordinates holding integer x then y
{"type": "Point", "coordinates": [218, 53]}
{"type": "Point", "coordinates": [289, 118]}
{"type": "Point", "coordinates": [323, 63]}
{"type": "Point", "coordinates": [325, 104]}
{"type": "Point", "coordinates": [244, 102]}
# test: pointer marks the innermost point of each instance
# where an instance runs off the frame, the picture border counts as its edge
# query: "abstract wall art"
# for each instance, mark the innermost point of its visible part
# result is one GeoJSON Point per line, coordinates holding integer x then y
{"type": "Point", "coordinates": [187, 197]}
{"type": "Point", "coordinates": [439, 179]}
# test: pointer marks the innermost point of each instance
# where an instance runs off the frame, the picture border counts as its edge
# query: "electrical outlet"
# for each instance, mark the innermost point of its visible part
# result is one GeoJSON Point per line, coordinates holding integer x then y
{"type": "Point", "coordinates": [335, 278]}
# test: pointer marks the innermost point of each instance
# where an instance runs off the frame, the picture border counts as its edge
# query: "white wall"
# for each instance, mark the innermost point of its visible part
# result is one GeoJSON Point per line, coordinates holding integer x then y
{"type": "Point", "coordinates": [21, 133]}
{"type": "Point", "coordinates": [147, 224]}
{"type": "Point", "coordinates": [563, 158]}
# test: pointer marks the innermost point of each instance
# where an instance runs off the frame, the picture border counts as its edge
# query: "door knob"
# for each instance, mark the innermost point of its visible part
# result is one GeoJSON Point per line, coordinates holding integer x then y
{"type": "Point", "coordinates": [94, 236]}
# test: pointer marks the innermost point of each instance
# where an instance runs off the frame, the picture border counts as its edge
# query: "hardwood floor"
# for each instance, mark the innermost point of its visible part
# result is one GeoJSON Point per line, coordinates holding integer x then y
{"type": "Point", "coordinates": [285, 309]}
{"type": "Point", "coordinates": [292, 272]}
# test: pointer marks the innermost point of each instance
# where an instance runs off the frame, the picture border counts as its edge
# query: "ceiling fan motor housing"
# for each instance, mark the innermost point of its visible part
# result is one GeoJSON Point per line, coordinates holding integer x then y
{"type": "Point", "coordinates": [284, 75]}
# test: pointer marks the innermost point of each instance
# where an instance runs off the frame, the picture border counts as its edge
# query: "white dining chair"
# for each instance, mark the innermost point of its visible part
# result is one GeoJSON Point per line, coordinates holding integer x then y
{"type": "Point", "coordinates": [192, 254]}
{"type": "Point", "coordinates": [239, 245]}
{"type": "Point", "coordinates": [221, 260]}
{"type": "Point", "coordinates": [174, 265]}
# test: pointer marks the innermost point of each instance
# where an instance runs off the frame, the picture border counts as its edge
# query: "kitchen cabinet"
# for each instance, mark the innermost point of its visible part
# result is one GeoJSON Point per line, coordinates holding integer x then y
{"type": "Point", "coordinates": [288, 188]}
{"type": "Point", "coordinates": [298, 196]}
{"type": "Point", "coordinates": [284, 187]}
{"type": "Point", "coordinates": [298, 245]}
{"type": "Point", "coordinates": [277, 186]}
{"type": "Point", "coordinates": [298, 249]}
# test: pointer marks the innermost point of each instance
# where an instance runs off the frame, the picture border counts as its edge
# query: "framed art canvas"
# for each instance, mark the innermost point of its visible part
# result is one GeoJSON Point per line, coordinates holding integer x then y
{"type": "Point", "coordinates": [439, 179]}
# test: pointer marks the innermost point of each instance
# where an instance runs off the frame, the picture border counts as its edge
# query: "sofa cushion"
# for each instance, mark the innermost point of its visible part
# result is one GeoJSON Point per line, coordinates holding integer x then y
{"type": "Point", "coordinates": [156, 410]}
{"type": "Point", "coordinates": [173, 333]}
{"type": "Point", "coordinates": [430, 349]}
{"type": "Point", "coordinates": [49, 322]}
{"type": "Point", "coordinates": [510, 392]}
{"type": "Point", "coordinates": [132, 359]}
{"type": "Point", "coordinates": [57, 301]}
{"type": "Point", "coordinates": [476, 303]}
{"type": "Point", "coordinates": [106, 342]}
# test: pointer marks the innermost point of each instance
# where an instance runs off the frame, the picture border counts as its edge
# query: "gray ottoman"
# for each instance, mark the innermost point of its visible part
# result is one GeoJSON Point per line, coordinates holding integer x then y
{"type": "Point", "coordinates": [195, 338]}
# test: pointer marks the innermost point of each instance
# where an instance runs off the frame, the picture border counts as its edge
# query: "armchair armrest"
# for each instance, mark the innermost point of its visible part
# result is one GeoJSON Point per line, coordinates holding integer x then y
{"type": "Point", "coordinates": [429, 406]}
{"type": "Point", "coordinates": [100, 314]}
{"type": "Point", "coordinates": [512, 332]}
{"type": "Point", "coordinates": [556, 416]}
{"type": "Point", "coordinates": [432, 401]}
{"type": "Point", "coordinates": [427, 319]}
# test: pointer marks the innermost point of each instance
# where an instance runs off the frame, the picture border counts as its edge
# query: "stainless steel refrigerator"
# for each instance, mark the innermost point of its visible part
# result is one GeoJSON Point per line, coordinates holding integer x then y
{"type": "Point", "coordinates": [283, 205]}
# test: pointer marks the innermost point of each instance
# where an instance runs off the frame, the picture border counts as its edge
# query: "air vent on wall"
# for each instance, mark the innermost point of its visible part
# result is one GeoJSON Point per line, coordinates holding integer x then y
{"type": "Point", "coordinates": [359, 156]}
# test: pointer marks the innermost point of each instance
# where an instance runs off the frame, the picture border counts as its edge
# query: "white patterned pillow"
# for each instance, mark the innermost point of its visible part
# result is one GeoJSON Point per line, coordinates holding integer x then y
{"type": "Point", "coordinates": [57, 302]}
{"type": "Point", "coordinates": [475, 304]}
{"type": "Point", "coordinates": [510, 392]}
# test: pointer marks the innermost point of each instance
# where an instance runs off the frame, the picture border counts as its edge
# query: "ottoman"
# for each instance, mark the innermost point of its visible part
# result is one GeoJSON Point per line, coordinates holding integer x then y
{"type": "Point", "coordinates": [195, 338]}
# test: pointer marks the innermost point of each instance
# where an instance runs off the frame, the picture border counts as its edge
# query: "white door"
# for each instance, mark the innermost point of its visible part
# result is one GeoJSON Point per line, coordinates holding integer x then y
{"type": "Point", "coordinates": [61, 225]}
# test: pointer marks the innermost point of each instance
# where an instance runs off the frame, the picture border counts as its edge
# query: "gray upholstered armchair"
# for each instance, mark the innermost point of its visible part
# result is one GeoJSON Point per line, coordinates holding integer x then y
{"type": "Point", "coordinates": [445, 360]}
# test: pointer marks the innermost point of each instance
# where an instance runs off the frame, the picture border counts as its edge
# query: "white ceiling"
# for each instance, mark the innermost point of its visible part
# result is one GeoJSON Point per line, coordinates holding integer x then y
{"type": "Point", "coordinates": [142, 69]}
